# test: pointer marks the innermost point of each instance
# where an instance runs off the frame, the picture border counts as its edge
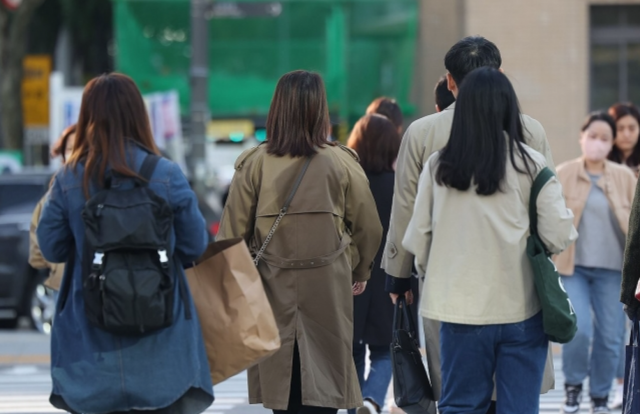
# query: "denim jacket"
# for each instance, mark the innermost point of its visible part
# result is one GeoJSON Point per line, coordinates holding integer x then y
{"type": "Point", "coordinates": [94, 371]}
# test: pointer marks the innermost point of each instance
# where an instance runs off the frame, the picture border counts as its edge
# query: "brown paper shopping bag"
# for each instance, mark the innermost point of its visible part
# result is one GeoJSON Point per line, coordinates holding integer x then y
{"type": "Point", "coordinates": [237, 322]}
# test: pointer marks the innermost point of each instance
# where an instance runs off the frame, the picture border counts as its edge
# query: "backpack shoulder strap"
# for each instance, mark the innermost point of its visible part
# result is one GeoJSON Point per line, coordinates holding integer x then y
{"type": "Point", "coordinates": [149, 166]}
{"type": "Point", "coordinates": [538, 184]}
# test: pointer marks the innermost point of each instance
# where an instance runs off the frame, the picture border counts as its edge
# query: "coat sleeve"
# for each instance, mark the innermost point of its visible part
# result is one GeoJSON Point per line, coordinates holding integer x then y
{"type": "Point", "coordinates": [417, 240]}
{"type": "Point", "coordinates": [54, 232]}
{"type": "Point", "coordinates": [555, 220]}
{"type": "Point", "coordinates": [238, 217]}
{"type": "Point", "coordinates": [35, 255]}
{"type": "Point", "coordinates": [631, 267]}
{"type": "Point", "coordinates": [536, 137]}
{"type": "Point", "coordinates": [362, 220]}
{"type": "Point", "coordinates": [188, 223]}
{"type": "Point", "coordinates": [396, 261]}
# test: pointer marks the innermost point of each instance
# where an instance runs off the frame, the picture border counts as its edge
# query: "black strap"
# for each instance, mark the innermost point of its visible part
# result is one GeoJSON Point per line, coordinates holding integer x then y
{"type": "Point", "coordinates": [402, 318]}
{"type": "Point", "coordinates": [538, 184]}
{"type": "Point", "coordinates": [297, 184]}
{"type": "Point", "coordinates": [149, 166]}
{"type": "Point", "coordinates": [184, 294]}
{"type": "Point", "coordinates": [146, 171]}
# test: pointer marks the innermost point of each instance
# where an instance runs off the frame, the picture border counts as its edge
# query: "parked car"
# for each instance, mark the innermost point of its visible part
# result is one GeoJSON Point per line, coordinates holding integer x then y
{"type": "Point", "coordinates": [22, 292]}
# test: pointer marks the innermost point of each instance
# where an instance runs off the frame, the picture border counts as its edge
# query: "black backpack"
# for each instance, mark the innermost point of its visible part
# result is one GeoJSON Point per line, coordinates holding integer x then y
{"type": "Point", "coordinates": [128, 274]}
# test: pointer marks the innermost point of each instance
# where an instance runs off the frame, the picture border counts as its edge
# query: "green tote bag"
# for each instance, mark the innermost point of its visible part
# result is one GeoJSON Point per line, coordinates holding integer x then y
{"type": "Point", "coordinates": [559, 318]}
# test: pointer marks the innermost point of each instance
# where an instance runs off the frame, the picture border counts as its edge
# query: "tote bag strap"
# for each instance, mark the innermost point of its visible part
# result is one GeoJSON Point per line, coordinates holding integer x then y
{"type": "Point", "coordinates": [283, 211]}
{"type": "Point", "coordinates": [402, 318]}
{"type": "Point", "coordinates": [538, 184]}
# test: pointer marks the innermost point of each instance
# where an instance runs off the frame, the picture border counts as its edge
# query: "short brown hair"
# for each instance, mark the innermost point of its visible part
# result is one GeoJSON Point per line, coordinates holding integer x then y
{"type": "Point", "coordinates": [298, 122]}
{"type": "Point", "coordinates": [60, 146]}
{"type": "Point", "coordinates": [387, 107]}
{"type": "Point", "coordinates": [377, 142]}
{"type": "Point", "coordinates": [112, 113]}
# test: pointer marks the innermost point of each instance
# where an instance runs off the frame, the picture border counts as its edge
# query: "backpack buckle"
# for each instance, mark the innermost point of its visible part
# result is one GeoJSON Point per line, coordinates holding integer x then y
{"type": "Point", "coordinates": [97, 260]}
{"type": "Point", "coordinates": [164, 258]}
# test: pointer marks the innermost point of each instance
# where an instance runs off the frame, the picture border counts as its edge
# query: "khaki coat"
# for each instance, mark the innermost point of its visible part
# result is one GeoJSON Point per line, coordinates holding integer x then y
{"type": "Point", "coordinates": [328, 240]}
{"type": "Point", "coordinates": [424, 137]}
{"type": "Point", "coordinates": [619, 185]}
{"type": "Point", "coordinates": [35, 255]}
{"type": "Point", "coordinates": [453, 233]}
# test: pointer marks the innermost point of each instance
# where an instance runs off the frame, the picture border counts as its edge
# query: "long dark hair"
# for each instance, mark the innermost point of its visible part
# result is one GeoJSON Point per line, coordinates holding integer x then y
{"type": "Point", "coordinates": [377, 141]}
{"type": "Point", "coordinates": [112, 112]}
{"type": "Point", "coordinates": [298, 120]}
{"type": "Point", "coordinates": [486, 109]}
{"type": "Point", "coordinates": [618, 111]}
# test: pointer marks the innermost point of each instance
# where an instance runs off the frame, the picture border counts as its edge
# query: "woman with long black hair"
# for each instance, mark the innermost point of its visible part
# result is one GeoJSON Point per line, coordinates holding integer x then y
{"type": "Point", "coordinates": [468, 234]}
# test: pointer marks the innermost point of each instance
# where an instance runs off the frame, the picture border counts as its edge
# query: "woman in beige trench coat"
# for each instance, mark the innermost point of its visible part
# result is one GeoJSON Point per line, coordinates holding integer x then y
{"type": "Point", "coordinates": [320, 255]}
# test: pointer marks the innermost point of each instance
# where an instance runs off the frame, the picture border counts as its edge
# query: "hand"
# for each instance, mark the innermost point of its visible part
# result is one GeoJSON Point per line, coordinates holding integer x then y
{"type": "Point", "coordinates": [358, 288]}
{"type": "Point", "coordinates": [408, 296]}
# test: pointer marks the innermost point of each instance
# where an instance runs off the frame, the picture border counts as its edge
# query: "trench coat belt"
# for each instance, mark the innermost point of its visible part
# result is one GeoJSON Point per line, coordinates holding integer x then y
{"type": "Point", "coordinates": [327, 259]}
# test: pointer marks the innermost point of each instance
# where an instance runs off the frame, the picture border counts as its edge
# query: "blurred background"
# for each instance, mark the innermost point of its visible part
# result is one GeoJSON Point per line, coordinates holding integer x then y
{"type": "Point", "coordinates": [207, 70]}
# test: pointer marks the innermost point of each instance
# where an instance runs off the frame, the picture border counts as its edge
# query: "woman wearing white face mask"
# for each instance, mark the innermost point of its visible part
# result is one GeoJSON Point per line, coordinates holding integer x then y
{"type": "Point", "coordinates": [600, 193]}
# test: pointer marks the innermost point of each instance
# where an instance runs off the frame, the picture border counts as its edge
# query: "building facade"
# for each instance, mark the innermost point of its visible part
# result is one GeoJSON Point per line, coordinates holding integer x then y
{"type": "Point", "coordinates": [564, 57]}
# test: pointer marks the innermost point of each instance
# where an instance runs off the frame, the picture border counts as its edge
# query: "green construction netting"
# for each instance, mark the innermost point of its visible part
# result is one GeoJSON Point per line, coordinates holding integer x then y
{"type": "Point", "coordinates": [363, 49]}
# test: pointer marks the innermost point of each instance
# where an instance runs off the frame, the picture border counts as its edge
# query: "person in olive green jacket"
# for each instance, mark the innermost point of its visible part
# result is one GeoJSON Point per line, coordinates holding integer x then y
{"type": "Point", "coordinates": [62, 148]}
{"type": "Point", "coordinates": [320, 255]}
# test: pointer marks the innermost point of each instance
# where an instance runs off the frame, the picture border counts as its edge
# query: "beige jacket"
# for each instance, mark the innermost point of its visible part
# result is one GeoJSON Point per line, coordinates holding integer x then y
{"type": "Point", "coordinates": [424, 137]}
{"type": "Point", "coordinates": [471, 248]}
{"type": "Point", "coordinates": [35, 256]}
{"type": "Point", "coordinates": [619, 185]}
{"type": "Point", "coordinates": [328, 239]}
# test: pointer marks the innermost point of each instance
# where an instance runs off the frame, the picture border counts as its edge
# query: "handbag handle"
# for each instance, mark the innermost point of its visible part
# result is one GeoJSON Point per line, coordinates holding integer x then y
{"type": "Point", "coordinates": [283, 211]}
{"type": "Point", "coordinates": [402, 319]}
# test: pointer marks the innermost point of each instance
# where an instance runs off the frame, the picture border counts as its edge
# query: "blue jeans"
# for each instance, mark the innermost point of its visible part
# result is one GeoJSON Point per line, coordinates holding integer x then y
{"type": "Point", "coordinates": [595, 294]}
{"type": "Point", "coordinates": [472, 354]}
{"type": "Point", "coordinates": [375, 386]}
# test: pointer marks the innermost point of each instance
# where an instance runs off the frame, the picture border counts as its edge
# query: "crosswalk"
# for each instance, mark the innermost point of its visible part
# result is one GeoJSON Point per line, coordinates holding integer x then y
{"type": "Point", "coordinates": [553, 400]}
{"type": "Point", "coordinates": [24, 389]}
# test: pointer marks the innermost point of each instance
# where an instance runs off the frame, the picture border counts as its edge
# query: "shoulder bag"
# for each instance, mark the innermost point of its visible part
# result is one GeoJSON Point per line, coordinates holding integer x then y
{"type": "Point", "coordinates": [559, 318]}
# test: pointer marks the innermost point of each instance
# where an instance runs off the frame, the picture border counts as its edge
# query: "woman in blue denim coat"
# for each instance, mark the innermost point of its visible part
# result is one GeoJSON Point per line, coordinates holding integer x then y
{"type": "Point", "coordinates": [94, 371]}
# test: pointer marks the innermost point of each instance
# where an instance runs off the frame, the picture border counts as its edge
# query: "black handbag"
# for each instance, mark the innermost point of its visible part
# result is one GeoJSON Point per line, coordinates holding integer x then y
{"type": "Point", "coordinates": [411, 386]}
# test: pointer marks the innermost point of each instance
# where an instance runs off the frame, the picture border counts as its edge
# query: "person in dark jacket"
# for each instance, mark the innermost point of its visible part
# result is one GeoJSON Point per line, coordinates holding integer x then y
{"type": "Point", "coordinates": [377, 141]}
{"type": "Point", "coordinates": [631, 265]}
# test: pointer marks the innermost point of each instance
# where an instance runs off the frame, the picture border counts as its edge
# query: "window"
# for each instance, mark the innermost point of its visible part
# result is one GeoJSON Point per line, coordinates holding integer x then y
{"type": "Point", "coordinates": [615, 55]}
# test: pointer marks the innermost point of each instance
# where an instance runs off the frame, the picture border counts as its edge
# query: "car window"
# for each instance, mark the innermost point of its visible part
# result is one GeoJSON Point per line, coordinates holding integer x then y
{"type": "Point", "coordinates": [12, 195]}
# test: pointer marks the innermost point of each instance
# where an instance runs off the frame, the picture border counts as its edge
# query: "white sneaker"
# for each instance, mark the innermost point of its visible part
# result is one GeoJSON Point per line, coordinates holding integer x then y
{"type": "Point", "coordinates": [617, 400]}
{"type": "Point", "coordinates": [368, 408]}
